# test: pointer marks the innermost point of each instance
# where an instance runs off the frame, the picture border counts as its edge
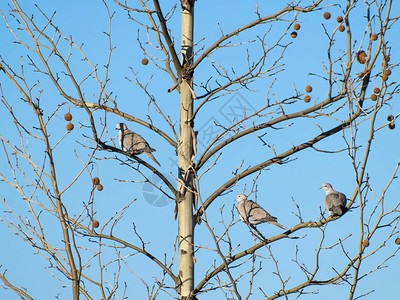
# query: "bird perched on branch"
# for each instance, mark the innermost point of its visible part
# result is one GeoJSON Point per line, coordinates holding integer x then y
{"type": "Point", "coordinates": [134, 143]}
{"type": "Point", "coordinates": [335, 202]}
{"type": "Point", "coordinates": [252, 213]}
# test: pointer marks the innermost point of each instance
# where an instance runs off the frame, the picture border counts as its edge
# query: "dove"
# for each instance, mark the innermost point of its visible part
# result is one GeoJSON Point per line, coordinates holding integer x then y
{"type": "Point", "coordinates": [134, 143]}
{"type": "Point", "coordinates": [335, 202]}
{"type": "Point", "coordinates": [252, 213]}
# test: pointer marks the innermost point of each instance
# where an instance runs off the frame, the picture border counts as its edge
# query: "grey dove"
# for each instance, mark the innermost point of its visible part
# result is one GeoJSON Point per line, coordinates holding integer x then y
{"type": "Point", "coordinates": [335, 202]}
{"type": "Point", "coordinates": [252, 213]}
{"type": "Point", "coordinates": [134, 143]}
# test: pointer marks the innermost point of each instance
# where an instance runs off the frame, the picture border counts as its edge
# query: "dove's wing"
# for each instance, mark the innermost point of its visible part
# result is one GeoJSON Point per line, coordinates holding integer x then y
{"type": "Point", "coordinates": [135, 144]}
{"type": "Point", "coordinates": [261, 215]}
{"type": "Point", "coordinates": [335, 203]}
{"type": "Point", "coordinates": [253, 213]}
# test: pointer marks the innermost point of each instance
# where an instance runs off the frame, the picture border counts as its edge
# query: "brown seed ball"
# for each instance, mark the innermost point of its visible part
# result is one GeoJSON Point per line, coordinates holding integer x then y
{"type": "Point", "coordinates": [307, 99]}
{"type": "Point", "coordinates": [388, 72]}
{"type": "Point", "coordinates": [308, 88]}
{"type": "Point", "coordinates": [327, 15]}
{"type": "Point", "coordinates": [293, 34]}
{"type": "Point", "coordinates": [374, 37]}
{"type": "Point", "coordinates": [70, 126]}
{"type": "Point", "coordinates": [384, 77]}
{"type": "Point", "coordinates": [99, 187]}
{"type": "Point", "coordinates": [374, 97]}
{"type": "Point", "coordinates": [377, 90]}
{"type": "Point", "coordinates": [296, 26]}
{"type": "Point", "coordinates": [361, 57]}
{"type": "Point", "coordinates": [397, 241]}
{"type": "Point", "coordinates": [95, 224]}
{"type": "Point", "coordinates": [339, 19]}
{"type": "Point", "coordinates": [96, 180]}
{"type": "Point", "coordinates": [365, 243]}
{"type": "Point", "coordinates": [68, 117]}
{"type": "Point", "coordinates": [341, 28]}
{"type": "Point", "coordinates": [391, 126]}
{"type": "Point", "coordinates": [390, 118]}
{"type": "Point", "coordinates": [145, 61]}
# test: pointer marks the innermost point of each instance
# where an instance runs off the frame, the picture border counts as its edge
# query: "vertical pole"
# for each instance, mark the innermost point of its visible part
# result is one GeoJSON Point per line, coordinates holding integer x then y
{"type": "Point", "coordinates": [185, 152]}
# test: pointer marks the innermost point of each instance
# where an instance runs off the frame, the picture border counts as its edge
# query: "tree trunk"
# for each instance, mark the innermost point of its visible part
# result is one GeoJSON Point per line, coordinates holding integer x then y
{"type": "Point", "coordinates": [185, 152]}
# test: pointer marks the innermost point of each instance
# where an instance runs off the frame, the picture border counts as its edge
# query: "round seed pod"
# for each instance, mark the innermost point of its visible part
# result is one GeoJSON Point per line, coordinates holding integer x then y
{"type": "Point", "coordinates": [397, 241]}
{"type": "Point", "coordinates": [293, 34]}
{"type": "Point", "coordinates": [339, 19]}
{"type": "Point", "coordinates": [374, 37]}
{"type": "Point", "coordinates": [68, 117]}
{"type": "Point", "coordinates": [385, 77]}
{"type": "Point", "coordinates": [365, 243]}
{"type": "Point", "coordinates": [70, 126]}
{"type": "Point", "coordinates": [145, 61]}
{"type": "Point", "coordinates": [388, 72]}
{"type": "Point", "coordinates": [99, 187]}
{"type": "Point", "coordinates": [95, 224]}
{"type": "Point", "coordinates": [390, 118]}
{"type": "Point", "coordinates": [307, 98]}
{"type": "Point", "coordinates": [96, 180]}
{"type": "Point", "coordinates": [391, 126]}
{"type": "Point", "coordinates": [296, 26]}
{"type": "Point", "coordinates": [308, 89]}
{"type": "Point", "coordinates": [374, 97]}
{"type": "Point", "coordinates": [341, 28]}
{"type": "Point", "coordinates": [361, 57]}
{"type": "Point", "coordinates": [377, 90]}
{"type": "Point", "coordinates": [327, 15]}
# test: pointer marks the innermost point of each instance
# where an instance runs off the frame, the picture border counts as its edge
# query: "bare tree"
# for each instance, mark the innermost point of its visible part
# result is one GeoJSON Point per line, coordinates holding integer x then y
{"type": "Point", "coordinates": [339, 113]}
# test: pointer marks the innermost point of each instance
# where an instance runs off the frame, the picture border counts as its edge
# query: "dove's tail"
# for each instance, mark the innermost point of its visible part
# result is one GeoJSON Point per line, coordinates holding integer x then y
{"type": "Point", "coordinates": [277, 224]}
{"type": "Point", "coordinates": [152, 157]}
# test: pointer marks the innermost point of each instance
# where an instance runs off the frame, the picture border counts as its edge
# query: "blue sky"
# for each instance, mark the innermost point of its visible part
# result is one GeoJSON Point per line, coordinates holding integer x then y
{"type": "Point", "coordinates": [278, 186]}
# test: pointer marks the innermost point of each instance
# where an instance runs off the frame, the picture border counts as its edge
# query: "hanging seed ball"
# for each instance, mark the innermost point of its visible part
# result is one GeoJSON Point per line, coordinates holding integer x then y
{"type": "Point", "coordinates": [308, 88]}
{"type": "Point", "coordinates": [388, 72]}
{"type": "Point", "coordinates": [397, 241]}
{"type": "Point", "coordinates": [70, 126]}
{"type": "Point", "coordinates": [96, 180]}
{"type": "Point", "coordinates": [374, 37]}
{"type": "Point", "coordinates": [68, 117]}
{"type": "Point", "coordinates": [365, 243]}
{"type": "Point", "coordinates": [387, 58]}
{"type": "Point", "coordinates": [374, 97]}
{"type": "Point", "coordinates": [390, 118]}
{"type": "Point", "coordinates": [296, 26]}
{"type": "Point", "coordinates": [361, 57]}
{"type": "Point", "coordinates": [327, 15]}
{"type": "Point", "coordinates": [377, 90]}
{"type": "Point", "coordinates": [391, 126]}
{"type": "Point", "coordinates": [99, 187]}
{"type": "Point", "coordinates": [341, 28]}
{"type": "Point", "coordinates": [293, 34]}
{"type": "Point", "coordinates": [385, 77]}
{"type": "Point", "coordinates": [95, 224]}
{"type": "Point", "coordinates": [339, 19]}
{"type": "Point", "coordinates": [145, 61]}
{"type": "Point", "coordinates": [307, 99]}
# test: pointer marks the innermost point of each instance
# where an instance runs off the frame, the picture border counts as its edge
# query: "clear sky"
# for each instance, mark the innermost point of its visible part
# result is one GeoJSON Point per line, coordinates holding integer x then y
{"type": "Point", "coordinates": [278, 186]}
